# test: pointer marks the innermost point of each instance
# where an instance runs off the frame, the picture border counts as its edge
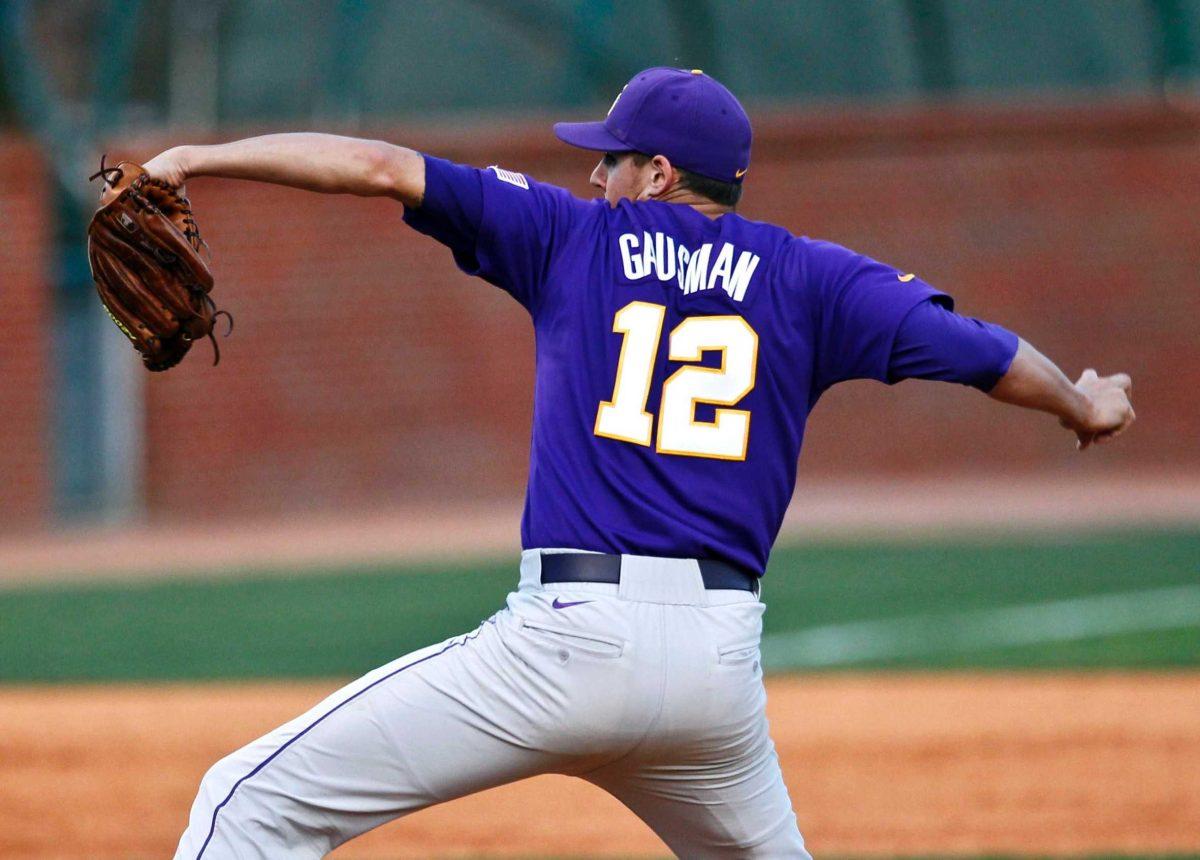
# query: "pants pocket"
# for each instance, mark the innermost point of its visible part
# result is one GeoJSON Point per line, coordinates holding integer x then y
{"type": "Point", "coordinates": [576, 641]}
{"type": "Point", "coordinates": [736, 655]}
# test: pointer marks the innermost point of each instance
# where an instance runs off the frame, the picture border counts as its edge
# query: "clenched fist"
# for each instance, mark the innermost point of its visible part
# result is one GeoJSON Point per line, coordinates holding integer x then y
{"type": "Point", "coordinates": [169, 167]}
{"type": "Point", "coordinates": [1110, 411]}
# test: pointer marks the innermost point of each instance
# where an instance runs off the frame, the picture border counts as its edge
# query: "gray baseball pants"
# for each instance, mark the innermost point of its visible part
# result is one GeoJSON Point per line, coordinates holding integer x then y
{"type": "Point", "coordinates": [651, 689]}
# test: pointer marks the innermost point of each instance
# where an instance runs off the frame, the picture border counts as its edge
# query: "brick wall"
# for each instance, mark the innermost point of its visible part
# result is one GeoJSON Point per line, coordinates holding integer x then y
{"type": "Point", "coordinates": [366, 370]}
{"type": "Point", "coordinates": [24, 339]}
{"type": "Point", "coordinates": [1077, 230]}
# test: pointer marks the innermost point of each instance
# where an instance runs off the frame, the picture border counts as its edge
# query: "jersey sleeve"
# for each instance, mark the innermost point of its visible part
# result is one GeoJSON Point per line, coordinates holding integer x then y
{"type": "Point", "coordinates": [935, 343]}
{"type": "Point", "coordinates": [859, 306]}
{"type": "Point", "coordinates": [499, 225]}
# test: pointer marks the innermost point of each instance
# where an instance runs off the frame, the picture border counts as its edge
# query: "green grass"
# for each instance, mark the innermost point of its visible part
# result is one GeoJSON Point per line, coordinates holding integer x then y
{"type": "Point", "coordinates": [343, 622]}
{"type": "Point", "coordinates": [878, 581]}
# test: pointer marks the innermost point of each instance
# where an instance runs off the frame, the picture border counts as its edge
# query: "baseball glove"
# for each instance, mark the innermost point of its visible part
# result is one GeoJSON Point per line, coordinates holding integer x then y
{"type": "Point", "coordinates": [144, 250]}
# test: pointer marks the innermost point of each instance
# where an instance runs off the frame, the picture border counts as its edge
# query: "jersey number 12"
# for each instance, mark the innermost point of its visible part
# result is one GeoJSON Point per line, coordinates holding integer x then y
{"type": "Point", "coordinates": [624, 417]}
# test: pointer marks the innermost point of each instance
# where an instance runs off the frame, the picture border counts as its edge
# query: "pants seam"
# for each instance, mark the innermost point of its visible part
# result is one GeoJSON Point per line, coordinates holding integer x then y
{"type": "Point", "coordinates": [659, 706]}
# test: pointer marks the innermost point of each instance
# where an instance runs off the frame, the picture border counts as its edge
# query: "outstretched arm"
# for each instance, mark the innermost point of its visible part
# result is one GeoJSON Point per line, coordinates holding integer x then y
{"type": "Point", "coordinates": [1097, 408]}
{"type": "Point", "coordinates": [933, 342]}
{"type": "Point", "coordinates": [326, 163]}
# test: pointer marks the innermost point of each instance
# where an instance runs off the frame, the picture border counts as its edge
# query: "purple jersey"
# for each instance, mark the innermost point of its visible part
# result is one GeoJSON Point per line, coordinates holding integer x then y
{"type": "Point", "coordinates": [678, 356]}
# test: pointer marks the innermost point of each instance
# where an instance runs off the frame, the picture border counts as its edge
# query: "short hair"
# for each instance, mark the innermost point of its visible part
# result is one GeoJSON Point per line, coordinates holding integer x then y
{"type": "Point", "coordinates": [721, 193]}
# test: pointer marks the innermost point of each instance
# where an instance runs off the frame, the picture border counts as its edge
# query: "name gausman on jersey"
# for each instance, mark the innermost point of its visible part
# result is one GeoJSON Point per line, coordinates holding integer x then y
{"type": "Point", "coordinates": [660, 256]}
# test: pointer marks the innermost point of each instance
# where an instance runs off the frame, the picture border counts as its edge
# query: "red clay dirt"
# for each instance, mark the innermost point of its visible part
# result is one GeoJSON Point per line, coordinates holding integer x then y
{"type": "Point", "coordinates": [877, 764]}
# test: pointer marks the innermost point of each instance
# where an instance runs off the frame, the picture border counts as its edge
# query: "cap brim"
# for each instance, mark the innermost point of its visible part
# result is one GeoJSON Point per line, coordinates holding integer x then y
{"type": "Point", "coordinates": [590, 135]}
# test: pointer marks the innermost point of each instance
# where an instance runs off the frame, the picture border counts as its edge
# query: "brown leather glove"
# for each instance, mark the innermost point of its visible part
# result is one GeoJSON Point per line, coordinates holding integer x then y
{"type": "Point", "coordinates": [144, 250]}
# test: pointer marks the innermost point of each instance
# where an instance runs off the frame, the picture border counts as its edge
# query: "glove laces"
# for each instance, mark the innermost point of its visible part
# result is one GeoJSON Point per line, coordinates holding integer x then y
{"type": "Point", "coordinates": [107, 173]}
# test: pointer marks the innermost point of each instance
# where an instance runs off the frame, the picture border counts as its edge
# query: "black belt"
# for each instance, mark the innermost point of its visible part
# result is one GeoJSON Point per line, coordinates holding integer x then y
{"type": "Point", "coordinates": [592, 567]}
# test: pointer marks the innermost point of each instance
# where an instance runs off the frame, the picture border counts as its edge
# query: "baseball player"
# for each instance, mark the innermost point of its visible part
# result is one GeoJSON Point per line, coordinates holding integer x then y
{"type": "Point", "coordinates": [680, 348]}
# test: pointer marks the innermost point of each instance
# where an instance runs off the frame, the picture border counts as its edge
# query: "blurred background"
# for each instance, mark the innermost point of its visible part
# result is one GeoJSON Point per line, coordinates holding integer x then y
{"type": "Point", "coordinates": [346, 484]}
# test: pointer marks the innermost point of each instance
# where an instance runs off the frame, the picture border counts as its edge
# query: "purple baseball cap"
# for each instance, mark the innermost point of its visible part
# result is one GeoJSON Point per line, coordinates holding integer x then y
{"type": "Point", "coordinates": [680, 113]}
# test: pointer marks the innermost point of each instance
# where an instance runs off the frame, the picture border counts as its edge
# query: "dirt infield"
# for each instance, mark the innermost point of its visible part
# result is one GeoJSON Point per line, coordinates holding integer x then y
{"type": "Point", "coordinates": [883, 764]}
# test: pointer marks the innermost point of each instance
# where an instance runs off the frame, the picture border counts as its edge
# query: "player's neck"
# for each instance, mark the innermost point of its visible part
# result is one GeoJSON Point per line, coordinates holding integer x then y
{"type": "Point", "coordinates": [687, 197]}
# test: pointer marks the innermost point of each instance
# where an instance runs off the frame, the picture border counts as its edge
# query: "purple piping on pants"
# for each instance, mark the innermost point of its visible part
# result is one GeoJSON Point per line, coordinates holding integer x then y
{"type": "Point", "coordinates": [212, 829]}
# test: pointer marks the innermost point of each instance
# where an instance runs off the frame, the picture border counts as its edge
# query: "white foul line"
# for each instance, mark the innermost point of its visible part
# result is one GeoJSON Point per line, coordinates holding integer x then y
{"type": "Point", "coordinates": [975, 630]}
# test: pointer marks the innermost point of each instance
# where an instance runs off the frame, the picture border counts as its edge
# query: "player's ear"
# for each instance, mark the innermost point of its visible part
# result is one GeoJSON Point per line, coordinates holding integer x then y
{"type": "Point", "coordinates": [662, 176]}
